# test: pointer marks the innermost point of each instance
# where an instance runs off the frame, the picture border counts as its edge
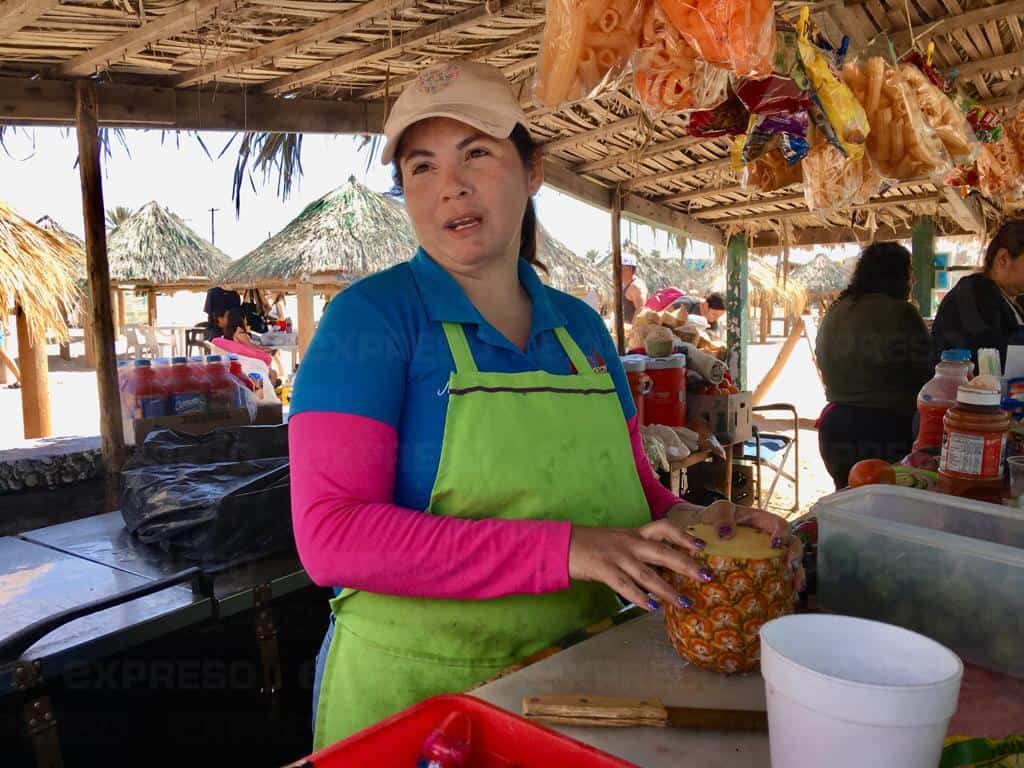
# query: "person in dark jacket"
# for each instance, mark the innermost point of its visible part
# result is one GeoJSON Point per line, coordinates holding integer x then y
{"type": "Point", "coordinates": [872, 350]}
{"type": "Point", "coordinates": [985, 309]}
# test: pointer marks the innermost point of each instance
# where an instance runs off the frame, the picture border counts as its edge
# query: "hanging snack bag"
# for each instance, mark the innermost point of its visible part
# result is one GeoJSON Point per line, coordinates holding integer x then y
{"type": "Point", "coordinates": [771, 172]}
{"type": "Point", "coordinates": [786, 133]}
{"type": "Point", "coordinates": [730, 118]}
{"type": "Point", "coordinates": [942, 115]}
{"type": "Point", "coordinates": [832, 181]}
{"type": "Point", "coordinates": [1014, 129]}
{"type": "Point", "coordinates": [736, 34]}
{"type": "Point", "coordinates": [667, 72]}
{"type": "Point", "coordinates": [999, 170]}
{"type": "Point", "coordinates": [900, 143]}
{"type": "Point", "coordinates": [842, 112]}
{"type": "Point", "coordinates": [586, 45]}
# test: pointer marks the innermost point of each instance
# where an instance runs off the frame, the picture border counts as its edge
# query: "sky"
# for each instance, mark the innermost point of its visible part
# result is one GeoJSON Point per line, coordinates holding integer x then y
{"type": "Point", "coordinates": [38, 177]}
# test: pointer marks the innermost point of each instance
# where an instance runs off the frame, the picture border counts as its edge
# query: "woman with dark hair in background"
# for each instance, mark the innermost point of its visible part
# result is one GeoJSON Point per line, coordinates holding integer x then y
{"type": "Point", "coordinates": [984, 309]}
{"type": "Point", "coordinates": [872, 351]}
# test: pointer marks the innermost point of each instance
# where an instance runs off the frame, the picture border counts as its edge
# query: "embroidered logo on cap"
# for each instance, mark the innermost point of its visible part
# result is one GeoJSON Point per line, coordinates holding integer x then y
{"type": "Point", "coordinates": [435, 80]}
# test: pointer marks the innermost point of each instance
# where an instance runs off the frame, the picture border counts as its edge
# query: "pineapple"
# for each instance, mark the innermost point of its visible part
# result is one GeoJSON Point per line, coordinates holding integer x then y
{"type": "Point", "coordinates": [751, 586]}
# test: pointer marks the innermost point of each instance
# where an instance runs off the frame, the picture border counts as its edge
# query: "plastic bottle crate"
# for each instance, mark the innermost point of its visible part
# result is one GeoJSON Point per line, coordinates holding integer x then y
{"type": "Point", "coordinates": [500, 740]}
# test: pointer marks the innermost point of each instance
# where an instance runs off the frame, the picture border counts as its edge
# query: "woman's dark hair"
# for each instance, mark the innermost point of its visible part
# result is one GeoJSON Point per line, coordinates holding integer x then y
{"type": "Point", "coordinates": [715, 301]}
{"type": "Point", "coordinates": [882, 268]}
{"type": "Point", "coordinates": [1011, 237]}
{"type": "Point", "coordinates": [528, 150]}
{"type": "Point", "coordinates": [236, 320]}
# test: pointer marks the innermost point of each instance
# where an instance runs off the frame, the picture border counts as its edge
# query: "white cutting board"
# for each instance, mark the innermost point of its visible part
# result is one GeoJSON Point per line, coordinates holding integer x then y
{"type": "Point", "coordinates": [636, 660]}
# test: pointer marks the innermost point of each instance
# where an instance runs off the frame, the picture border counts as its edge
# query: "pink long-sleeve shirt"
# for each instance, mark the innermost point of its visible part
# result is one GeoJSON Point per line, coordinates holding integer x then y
{"type": "Point", "coordinates": [349, 532]}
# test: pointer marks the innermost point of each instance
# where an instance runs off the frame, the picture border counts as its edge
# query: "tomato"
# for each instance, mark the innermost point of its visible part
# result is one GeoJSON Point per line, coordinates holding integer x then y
{"type": "Point", "coordinates": [870, 472]}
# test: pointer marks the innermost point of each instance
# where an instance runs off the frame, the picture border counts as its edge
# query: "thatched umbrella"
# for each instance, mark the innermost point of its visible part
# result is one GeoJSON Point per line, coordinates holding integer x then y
{"type": "Point", "coordinates": [154, 249]}
{"type": "Point", "coordinates": [348, 233]}
{"type": "Point", "coordinates": [821, 277]}
{"type": "Point", "coordinates": [37, 277]}
{"type": "Point", "coordinates": [567, 271]}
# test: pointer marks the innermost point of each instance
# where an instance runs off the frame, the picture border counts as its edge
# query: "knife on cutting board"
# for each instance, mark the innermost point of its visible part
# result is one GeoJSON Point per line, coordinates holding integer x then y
{"type": "Point", "coordinates": [612, 712]}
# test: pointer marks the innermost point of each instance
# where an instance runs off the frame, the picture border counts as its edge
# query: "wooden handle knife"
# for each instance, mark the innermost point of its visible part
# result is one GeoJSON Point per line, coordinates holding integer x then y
{"type": "Point", "coordinates": [611, 712]}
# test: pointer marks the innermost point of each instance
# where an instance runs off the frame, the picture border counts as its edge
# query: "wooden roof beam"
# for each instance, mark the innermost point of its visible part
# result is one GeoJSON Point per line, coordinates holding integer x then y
{"type": "Point", "coordinates": [964, 211]}
{"type": "Point", "coordinates": [834, 235]}
{"type": "Point", "coordinates": [480, 54]}
{"type": "Point", "coordinates": [189, 15]}
{"type": "Point", "coordinates": [679, 174]}
{"type": "Point", "coordinates": [385, 48]}
{"type": "Point", "coordinates": [633, 206]}
{"type": "Point", "coordinates": [323, 31]}
{"type": "Point", "coordinates": [52, 102]}
{"type": "Point", "coordinates": [882, 202]}
{"type": "Point", "coordinates": [944, 26]}
{"type": "Point", "coordinates": [593, 134]}
{"type": "Point", "coordinates": [641, 153]}
{"type": "Point", "coordinates": [18, 14]}
{"type": "Point", "coordinates": [994, 64]}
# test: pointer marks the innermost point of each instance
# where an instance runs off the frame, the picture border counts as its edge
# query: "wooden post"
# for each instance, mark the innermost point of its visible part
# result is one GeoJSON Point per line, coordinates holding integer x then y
{"type": "Point", "coordinates": [923, 240]}
{"type": "Point", "coordinates": [736, 334]}
{"type": "Point", "coordinates": [88, 337]}
{"type": "Point", "coordinates": [115, 312]}
{"type": "Point", "coordinates": [766, 316]}
{"type": "Point", "coordinates": [151, 307]}
{"type": "Point", "coordinates": [35, 380]}
{"type": "Point", "coordinates": [3, 344]}
{"type": "Point", "coordinates": [111, 432]}
{"type": "Point", "coordinates": [122, 312]}
{"type": "Point", "coordinates": [305, 296]}
{"type": "Point", "coordinates": [620, 325]}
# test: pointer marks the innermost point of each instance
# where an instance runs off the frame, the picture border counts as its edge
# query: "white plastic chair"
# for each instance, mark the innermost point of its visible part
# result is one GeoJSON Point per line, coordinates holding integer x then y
{"type": "Point", "coordinates": [155, 341]}
{"type": "Point", "coordinates": [136, 345]}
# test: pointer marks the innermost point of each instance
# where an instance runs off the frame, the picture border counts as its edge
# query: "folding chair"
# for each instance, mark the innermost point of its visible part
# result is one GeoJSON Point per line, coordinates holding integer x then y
{"type": "Point", "coordinates": [772, 451]}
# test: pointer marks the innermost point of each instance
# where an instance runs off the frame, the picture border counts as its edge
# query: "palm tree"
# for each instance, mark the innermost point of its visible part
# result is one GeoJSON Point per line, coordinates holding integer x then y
{"type": "Point", "coordinates": [117, 215]}
{"type": "Point", "coordinates": [592, 254]}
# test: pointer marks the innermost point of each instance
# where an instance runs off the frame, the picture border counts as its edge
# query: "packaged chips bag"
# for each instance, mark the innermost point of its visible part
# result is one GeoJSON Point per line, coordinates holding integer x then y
{"type": "Point", "coordinates": [736, 34]}
{"type": "Point", "coordinates": [668, 74]}
{"type": "Point", "coordinates": [832, 181]}
{"type": "Point", "coordinates": [586, 46]}
{"type": "Point", "coordinates": [942, 115]}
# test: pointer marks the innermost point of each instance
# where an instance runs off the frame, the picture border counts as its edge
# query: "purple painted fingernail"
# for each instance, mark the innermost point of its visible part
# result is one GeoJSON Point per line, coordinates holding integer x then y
{"type": "Point", "coordinates": [652, 605]}
{"type": "Point", "coordinates": [777, 542]}
{"type": "Point", "coordinates": [699, 543]}
{"type": "Point", "coordinates": [684, 602]}
{"type": "Point", "coordinates": [705, 574]}
{"type": "Point", "coordinates": [724, 531]}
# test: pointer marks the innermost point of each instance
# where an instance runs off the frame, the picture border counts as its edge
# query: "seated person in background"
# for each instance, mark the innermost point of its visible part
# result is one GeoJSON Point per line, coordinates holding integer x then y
{"type": "Point", "coordinates": [984, 309]}
{"type": "Point", "coordinates": [872, 351]}
{"type": "Point", "coordinates": [218, 302]}
{"type": "Point", "coordinates": [236, 339]}
{"type": "Point", "coordinates": [634, 290]}
{"type": "Point", "coordinates": [711, 309]}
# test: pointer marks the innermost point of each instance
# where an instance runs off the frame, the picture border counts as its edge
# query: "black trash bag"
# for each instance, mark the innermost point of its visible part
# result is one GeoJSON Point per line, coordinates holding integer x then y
{"type": "Point", "coordinates": [216, 515]}
{"type": "Point", "coordinates": [179, 494]}
{"type": "Point", "coordinates": [166, 446]}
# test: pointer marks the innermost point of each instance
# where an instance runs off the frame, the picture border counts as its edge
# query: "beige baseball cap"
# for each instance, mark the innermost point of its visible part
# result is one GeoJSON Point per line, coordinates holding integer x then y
{"type": "Point", "coordinates": [472, 93]}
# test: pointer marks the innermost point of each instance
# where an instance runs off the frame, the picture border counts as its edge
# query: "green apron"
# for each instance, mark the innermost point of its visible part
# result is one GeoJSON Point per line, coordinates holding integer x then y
{"type": "Point", "coordinates": [517, 446]}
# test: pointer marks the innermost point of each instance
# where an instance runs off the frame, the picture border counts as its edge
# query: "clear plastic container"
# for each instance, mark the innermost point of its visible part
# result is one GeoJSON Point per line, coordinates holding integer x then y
{"type": "Point", "coordinates": [949, 568]}
{"type": "Point", "coordinates": [939, 395]}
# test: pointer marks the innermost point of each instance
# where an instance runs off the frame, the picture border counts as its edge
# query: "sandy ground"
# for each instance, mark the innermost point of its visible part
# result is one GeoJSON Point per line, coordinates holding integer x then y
{"type": "Point", "coordinates": [75, 409]}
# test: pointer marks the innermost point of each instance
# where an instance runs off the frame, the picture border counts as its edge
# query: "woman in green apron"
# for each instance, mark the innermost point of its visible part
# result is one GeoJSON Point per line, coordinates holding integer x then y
{"type": "Point", "coordinates": [466, 463]}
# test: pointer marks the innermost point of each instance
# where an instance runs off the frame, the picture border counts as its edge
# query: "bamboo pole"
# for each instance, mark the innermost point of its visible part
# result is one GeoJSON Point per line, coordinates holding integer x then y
{"type": "Point", "coordinates": [111, 433]}
{"type": "Point", "coordinates": [780, 362]}
{"type": "Point", "coordinates": [620, 326]}
{"type": "Point", "coordinates": [151, 307]}
{"type": "Point", "coordinates": [304, 292]}
{"type": "Point", "coordinates": [35, 380]}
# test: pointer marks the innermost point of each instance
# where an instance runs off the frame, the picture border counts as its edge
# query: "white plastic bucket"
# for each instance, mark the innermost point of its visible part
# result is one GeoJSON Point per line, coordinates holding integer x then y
{"type": "Point", "coordinates": [846, 693]}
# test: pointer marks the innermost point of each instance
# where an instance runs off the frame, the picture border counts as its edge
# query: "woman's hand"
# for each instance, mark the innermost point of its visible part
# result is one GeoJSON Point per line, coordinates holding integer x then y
{"type": "Point", "coordinates": [625, 560]}
{"type": "Point", "coordinates": [725, 516]}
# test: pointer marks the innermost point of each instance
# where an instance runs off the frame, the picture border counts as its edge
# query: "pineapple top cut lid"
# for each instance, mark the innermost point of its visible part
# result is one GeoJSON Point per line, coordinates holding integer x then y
{"type": "Point", "coordinates": [746, 544]}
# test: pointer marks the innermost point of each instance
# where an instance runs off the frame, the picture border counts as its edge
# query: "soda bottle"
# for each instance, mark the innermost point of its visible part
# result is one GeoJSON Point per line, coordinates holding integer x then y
{"type": "Point", "coordinates": [187, 389]}
{"type": "Point", "coordinates": [939, 395]}
{"type": "Point", "coordinates": [223, 391]}
{"type": "Point", "coordinates": [235, 367]}
{"type": "Point", "coordinates": [162, 369]}
{"type": "Point", "coordinates": [146, 394]}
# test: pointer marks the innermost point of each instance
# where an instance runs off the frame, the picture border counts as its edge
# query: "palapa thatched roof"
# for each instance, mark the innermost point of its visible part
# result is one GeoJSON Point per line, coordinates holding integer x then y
{"type": "Point", "coordinates": [350, 232]}
{"type": "Point", "coordinates": [567, 271]}
{"type": "Point", "coordinates": [37, 272]}
{"type": "Point", "coordinates": [71, 239]}
{"type": "Point", "coordinates": [155, 247]}
{"type": "Point", "coordinates": [821, 275]}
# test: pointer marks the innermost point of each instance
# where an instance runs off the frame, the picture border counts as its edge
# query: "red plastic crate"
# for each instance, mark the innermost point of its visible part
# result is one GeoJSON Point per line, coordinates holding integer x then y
{"type": "Point", "coordinates": [500, 740]}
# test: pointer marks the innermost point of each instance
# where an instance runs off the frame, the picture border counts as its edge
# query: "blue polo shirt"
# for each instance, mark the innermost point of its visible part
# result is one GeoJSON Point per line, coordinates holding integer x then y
{"type": "Point", "coordinates": [380, 352]}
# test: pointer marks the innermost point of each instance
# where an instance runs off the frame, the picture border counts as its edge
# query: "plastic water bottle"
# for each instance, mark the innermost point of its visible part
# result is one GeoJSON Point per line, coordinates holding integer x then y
{"type": "Point", "coordinates": [187, 388]}
{"type": "Point", "coordinates": [145, 393]}
{"type": "Point", "coordinates": [222, 389]}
